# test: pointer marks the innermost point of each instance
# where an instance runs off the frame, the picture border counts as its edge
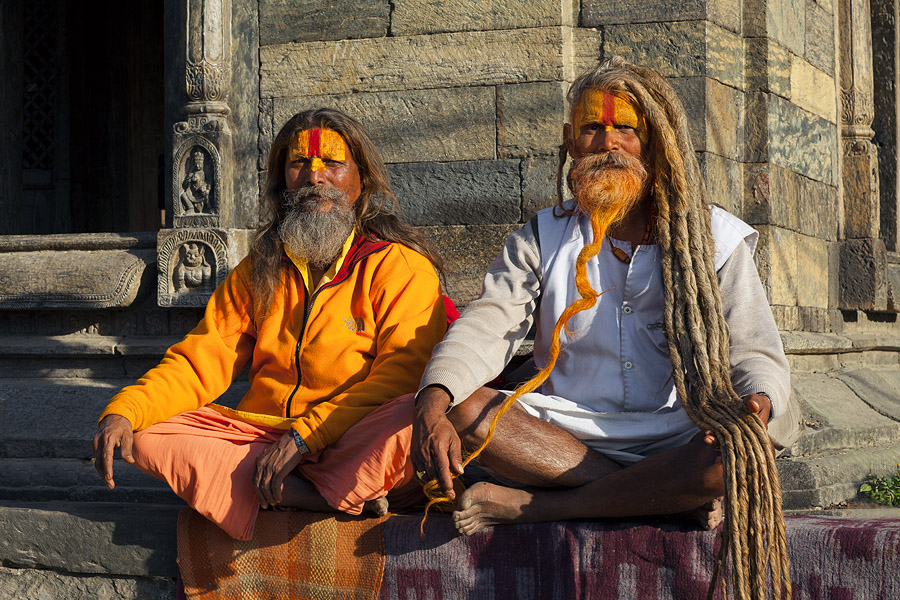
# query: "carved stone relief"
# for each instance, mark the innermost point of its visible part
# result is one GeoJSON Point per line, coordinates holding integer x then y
{"type": "Point", "coordinates": [196, 180]}
{"type": "Point", "coordinates": [197, 173]}
{"type": "Point", "coordinates": [195, 187]}
{"type": "Point", "coordinates": [192, 262]}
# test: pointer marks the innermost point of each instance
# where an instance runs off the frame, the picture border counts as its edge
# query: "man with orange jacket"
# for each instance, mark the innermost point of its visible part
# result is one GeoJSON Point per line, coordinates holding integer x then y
{"type": "Point", "coordinates": [335, 311]}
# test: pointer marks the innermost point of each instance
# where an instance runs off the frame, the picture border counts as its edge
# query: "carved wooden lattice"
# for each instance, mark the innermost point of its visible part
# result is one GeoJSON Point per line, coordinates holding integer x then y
{"type": "Point", "coordinates": [40, 83]}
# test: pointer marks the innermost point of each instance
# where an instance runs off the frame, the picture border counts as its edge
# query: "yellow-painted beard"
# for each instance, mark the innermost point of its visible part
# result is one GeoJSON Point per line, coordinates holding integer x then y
{"type": "Point", "coordinates": [609, 182]}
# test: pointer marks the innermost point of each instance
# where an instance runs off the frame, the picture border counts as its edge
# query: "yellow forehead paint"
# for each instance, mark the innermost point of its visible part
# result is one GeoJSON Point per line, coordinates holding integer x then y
{"type": "Point", "coordinates": [610, 110]}
{"type": "Point", "coordinates": [317, 144]}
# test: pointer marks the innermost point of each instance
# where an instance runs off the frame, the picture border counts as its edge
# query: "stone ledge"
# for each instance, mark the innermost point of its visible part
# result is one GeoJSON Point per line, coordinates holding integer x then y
{"type": "Point", "coordinates": [76, 480]}
{"type": "Point", "coordinates": [830, 343]}
{"type": "Point", "coordinates": [45, 584]}
{"type": "Point", "coordinates": [77, 241]}
{"type": "Point", "coordinates": [73, 278]}
{"type": "Point", "coordinates": [67, 410]}
{"type": "Point", "coordinates": [85, 345]}
{"type": "Point", "coordinates": [100, 538]}
{"type": "Point", "coordinates": [828, 479]}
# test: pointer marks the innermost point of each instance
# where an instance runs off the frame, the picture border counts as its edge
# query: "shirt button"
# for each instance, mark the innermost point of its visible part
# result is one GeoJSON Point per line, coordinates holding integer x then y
{"type": "Point", "coordinates": [629, 364]}
{"type": "Point", "coordinates": [627, 310]}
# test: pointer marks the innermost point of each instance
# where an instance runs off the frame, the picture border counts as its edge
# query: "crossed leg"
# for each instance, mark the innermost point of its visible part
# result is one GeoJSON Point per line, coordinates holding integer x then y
{"type": "Point", "coordinates": [569, 480]}
{"type": "Point", "coordinates": [300, 494]}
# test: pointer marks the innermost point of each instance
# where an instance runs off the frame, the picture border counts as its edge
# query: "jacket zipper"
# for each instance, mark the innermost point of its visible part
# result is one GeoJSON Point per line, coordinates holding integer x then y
{"type": "Point", "coordinates": [306, 313]}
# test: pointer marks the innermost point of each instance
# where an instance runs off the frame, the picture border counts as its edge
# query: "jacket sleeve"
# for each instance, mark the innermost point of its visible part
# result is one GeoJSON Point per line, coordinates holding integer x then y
{"type": "Point", "coordinates": [489, 331]}
{"type": "Point", "coordinates": [198, 369]}
{"type": "Point", "coordinates": [410, 320]}
{"type": "Point", "coordinates": [758, 363]}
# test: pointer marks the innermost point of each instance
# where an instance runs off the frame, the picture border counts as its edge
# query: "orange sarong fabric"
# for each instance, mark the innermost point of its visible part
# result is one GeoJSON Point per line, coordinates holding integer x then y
{"type": "Point", "coordinates": [208, 457]}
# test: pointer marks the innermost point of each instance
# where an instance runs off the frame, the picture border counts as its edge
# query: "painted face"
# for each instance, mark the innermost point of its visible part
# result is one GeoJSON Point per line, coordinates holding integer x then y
{"type": "Point", "coordinates": [609, 111]}
{"type": "Point", "coordinates": [320, 157]}
{"type": "Point", "coordinates": [317, 144]}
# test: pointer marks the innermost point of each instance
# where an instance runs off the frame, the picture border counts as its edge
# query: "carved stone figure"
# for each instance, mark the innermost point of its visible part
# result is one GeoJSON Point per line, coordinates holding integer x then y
{"type": "Point", "coordinates": [195, 188]}
{"type": "Point", "coordinates": [193, 271]}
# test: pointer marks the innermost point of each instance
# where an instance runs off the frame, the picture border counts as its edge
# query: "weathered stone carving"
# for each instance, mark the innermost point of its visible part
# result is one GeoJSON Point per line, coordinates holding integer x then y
{"type": "Point", "coordinates": [193, 271]}
{"type": "Point", "coordinates": [860, 167]}
{"type": "Point", "coordinates": [194, 256]}
{"type": "Point", "coordinates": [69, 272]}
{"type": "Point", "coordinates": [195, 187]}
{"type": "Point", "coordinates": [205, 81]}
{"type": "Point", "coordinates": [192, 262]}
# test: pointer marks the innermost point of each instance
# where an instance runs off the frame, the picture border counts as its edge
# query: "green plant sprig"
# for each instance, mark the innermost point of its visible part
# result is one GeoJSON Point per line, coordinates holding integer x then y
{"type": "Point", "coordinates": [883, 490]}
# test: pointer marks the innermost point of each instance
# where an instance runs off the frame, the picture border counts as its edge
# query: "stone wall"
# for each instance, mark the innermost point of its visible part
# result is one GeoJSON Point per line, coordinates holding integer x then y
{"type": "Point", "coordinates": [464, 99]}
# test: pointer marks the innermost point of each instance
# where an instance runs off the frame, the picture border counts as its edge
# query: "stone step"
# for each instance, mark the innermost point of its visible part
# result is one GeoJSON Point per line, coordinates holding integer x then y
{"type": "Point", "coordinates": [80, 356]}
{"type": "Point", "coordinates": [846, 409]}
{"type": "Point", "coordinates": [57, 418]}
{"type": "Point", "coordinates": [826, 480]}
{"type": "Point", "coordinates": [76, 480]}
{"type": "Point", "coordinates": [90, 538]}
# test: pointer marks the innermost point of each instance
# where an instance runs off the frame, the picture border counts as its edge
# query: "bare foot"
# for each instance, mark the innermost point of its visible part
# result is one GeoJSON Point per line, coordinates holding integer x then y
{"type": "Point", "coordinates": [707, 516]}
{"type": "Point", "coordinates": [485, 504]}
{"type": "Point", "coordinates": [377, 507]}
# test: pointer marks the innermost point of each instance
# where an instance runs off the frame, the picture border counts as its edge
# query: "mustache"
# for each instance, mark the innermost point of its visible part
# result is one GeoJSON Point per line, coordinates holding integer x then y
{"type": "Point", "coordinates": [610, 159]}
{"type": "Point", "coordinates": [590, 166]}
{"type": "Point", "coordinates": [302, 196]}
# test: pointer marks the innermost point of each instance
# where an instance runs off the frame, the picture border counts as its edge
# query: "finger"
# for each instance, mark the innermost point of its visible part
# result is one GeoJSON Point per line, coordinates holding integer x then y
{"type": "Point", "coordinates": [277, 489]}
{"type": "Point", "coordinates": [753, 406]}
{"type": "Point", "coordinates": [95, 458]}
{"type": "Point", "coordinates": [440, 465]}
{"type": "Point", "coordinates": [107, 461]}
{"type": "Point", "coordinates": [455, 454]}
{"type": "Point", "coordinates": [256, 481]}
{"type": "Point", "coordinates": [265, 484]}
{"type": "Point", "coordinates": [126, 446]}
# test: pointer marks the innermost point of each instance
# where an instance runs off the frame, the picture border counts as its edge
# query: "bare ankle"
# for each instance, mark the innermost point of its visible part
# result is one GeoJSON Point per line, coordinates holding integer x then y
{"type": "Point", "coordinates": [378, 507]}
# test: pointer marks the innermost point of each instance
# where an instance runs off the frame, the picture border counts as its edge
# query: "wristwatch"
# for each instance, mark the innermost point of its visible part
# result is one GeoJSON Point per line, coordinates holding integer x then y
{"type": "Point", "coordinates": [301, 445]}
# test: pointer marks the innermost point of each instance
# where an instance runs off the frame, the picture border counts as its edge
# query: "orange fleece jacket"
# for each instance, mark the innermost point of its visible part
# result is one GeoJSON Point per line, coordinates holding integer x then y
{"type": "Point", "coordinates": [358, 341]}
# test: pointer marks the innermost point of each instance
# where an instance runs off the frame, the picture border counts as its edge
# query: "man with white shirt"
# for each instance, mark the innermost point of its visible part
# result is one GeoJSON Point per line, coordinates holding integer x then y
{"type": "Point", "coordinates": [607, 434]}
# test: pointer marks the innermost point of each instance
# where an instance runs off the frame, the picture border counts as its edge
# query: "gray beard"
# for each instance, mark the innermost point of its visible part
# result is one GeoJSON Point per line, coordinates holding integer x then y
{"type": "Point", "coordinates": [316, 236]}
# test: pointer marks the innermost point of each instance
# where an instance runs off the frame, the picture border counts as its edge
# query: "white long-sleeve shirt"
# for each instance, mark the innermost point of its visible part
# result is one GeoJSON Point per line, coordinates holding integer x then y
{"type": "Point", "coordinates": [616, 364]}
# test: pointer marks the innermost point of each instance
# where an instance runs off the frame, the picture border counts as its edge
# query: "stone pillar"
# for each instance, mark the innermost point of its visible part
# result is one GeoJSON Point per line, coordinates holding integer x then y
{"type": "Point", "coordinates": [885, 62]}
{"type": "Point", "coordinates": [203, 242]}
{"type": "Point", "coordinates": [863, 284]}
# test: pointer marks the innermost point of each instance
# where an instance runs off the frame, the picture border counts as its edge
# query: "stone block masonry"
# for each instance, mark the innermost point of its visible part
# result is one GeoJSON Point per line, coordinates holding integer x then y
{"type": "Point", "coordinates": [415, 125]}
{"type": "Point", "coordinates": [412, 62]}
{"type": "Point", "coordinates": [283, 21]}
{"type": "Point", "coordinates": [413, 17]}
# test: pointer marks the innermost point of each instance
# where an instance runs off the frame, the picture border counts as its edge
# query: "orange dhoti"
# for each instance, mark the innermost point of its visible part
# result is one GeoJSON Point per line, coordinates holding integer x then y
{"type": "Point", "coordinates": [207, 457]}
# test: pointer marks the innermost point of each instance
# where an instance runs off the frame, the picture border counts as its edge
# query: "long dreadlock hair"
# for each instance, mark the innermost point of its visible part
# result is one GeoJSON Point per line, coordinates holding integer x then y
{"type": "Point", "coordinates": [695, 328]}
{"type": "Point", "coordinates": [374, 210]}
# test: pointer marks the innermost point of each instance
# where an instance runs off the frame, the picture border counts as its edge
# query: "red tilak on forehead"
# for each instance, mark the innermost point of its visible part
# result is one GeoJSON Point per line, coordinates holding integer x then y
{"type": "Point", "coordinates": [609, 110]}
{"type": "Point", "coordinates": [314, 146]}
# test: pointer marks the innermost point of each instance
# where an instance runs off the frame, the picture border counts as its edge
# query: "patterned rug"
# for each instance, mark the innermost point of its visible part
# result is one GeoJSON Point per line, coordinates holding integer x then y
{"type": "Point", "coordinates": [308, 555]}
